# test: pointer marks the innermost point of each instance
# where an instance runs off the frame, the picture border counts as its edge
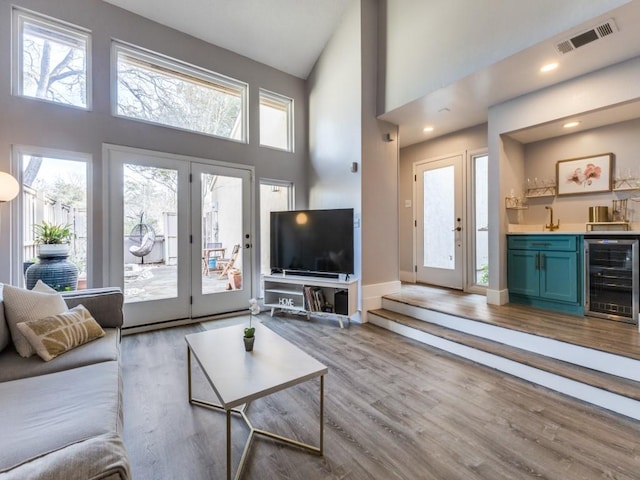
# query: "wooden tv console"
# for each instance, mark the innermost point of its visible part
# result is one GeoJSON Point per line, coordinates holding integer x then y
{"type": "Point", "coordinates": [311, 295]}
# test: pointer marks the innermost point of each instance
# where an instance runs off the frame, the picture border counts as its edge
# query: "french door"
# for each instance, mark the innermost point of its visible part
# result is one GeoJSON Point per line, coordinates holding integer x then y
{"type": "Point", "coordinates": [179, 235]}
{"type": "Point", "coordinates": [439, 222]}
{"type": "Point", "coordinates": [221, 225]}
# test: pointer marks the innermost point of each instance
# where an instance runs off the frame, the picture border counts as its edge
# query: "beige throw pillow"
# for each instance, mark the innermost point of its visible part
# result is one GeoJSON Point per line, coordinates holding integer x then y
{"type": "Point", "coordinates": [54, 335]}
{"type": "Point", "coordinates": [22, 305]}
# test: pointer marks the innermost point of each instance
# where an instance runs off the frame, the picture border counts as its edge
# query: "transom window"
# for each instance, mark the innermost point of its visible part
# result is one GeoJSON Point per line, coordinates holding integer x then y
{"type": "Point", "coordinates": [276, 121]}
{"type": "Point", "coordinates": [157, 89]}
{"type": "Point", "coordinates": [51, 60]}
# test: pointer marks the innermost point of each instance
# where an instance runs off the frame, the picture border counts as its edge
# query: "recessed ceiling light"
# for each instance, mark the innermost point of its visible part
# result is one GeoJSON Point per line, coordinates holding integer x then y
{"type": "Point", "coordinates": [571, 124]}
{"type": "Point", "coordinates": [548, 67]}
{"type": "Point", "coordinates": [427, 129]}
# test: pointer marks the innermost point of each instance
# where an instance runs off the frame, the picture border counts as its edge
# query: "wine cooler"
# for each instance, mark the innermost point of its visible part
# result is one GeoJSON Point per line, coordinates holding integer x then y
{"type": "Point", "coordinates": [611, 278]}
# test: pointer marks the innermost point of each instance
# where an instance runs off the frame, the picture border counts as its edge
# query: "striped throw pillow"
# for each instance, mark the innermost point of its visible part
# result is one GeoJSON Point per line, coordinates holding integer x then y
{"type": "Point", "coordinates": [56, 334]}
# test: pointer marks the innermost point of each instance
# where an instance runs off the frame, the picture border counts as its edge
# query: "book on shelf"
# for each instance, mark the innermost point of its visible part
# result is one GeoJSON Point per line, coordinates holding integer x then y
{"type": "Point", "coordinates": [315, 299]}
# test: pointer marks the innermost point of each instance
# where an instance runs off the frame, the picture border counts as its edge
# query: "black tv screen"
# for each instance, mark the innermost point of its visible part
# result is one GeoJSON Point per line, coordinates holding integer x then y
{"type": "Point", "coordinates": [312, 241]}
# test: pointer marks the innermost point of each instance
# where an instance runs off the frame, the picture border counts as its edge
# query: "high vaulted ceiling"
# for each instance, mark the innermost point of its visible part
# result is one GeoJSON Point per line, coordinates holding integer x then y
{"type": "Point", "coordinates": [289, 35]}
{"type": "Point", "coordinates": [286, 34]}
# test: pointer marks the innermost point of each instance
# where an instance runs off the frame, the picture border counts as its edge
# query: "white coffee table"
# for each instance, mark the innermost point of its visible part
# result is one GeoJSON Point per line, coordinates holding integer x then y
{"type": "Point", "coordinates": [238, 377]}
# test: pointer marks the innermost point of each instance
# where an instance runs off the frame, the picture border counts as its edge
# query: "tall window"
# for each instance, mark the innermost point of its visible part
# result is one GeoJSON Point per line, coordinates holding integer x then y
{"type": "Point", "coordinates": [157, 89]}
{"type": "Point", "coordinates": [51, 60]}
{"type": "Point", "coordinates": [274, 197]}
{"type": "Point", "coordinates": [276, 121]}
{"type": "Point", "coordinates": [480, 168]}
{"type": "Point", "coordinates": [54, 190]}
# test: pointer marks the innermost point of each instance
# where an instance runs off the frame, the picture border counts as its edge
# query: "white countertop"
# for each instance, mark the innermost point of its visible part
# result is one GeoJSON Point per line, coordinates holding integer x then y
{"type": "Point", "coordinates": [581, 232]}
{"type": "Point", "coordinates": [569, 229]}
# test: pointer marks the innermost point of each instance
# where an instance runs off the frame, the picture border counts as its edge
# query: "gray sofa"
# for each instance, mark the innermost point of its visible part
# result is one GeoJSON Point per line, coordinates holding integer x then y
{"type": "Point", "coordinates": [62, 419]}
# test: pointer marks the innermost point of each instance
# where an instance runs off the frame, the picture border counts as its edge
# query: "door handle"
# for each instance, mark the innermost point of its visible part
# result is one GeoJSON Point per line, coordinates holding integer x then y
{"type": "Point", "coordinates": [542, 261]}
{"type": "Point", "coordinates": [457, 229]}
{"type": "Point", "coordinates": [536, 262]}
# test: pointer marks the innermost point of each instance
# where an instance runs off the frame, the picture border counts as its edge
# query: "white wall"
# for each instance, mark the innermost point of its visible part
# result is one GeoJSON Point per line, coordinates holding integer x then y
{"type": "Point", "coordinates": [432, 44]}
{"type": "Point", "coordinates": [31, 122]}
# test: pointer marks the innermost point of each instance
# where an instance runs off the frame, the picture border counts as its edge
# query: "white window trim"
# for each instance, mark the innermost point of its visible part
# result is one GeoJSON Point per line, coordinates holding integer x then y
{"type": "Point", "coordinates": [472, 286]}
{"type": "Point", "coordinates": [118, 46]}
{"type": "Point", "coordinates": [289, 102]}
{"type": "Point", "coordinates": [17, 152]}
{"type": "Point", "coordinates": [18, 15]}
{"type": "Point", "coordinates": [291, 200]}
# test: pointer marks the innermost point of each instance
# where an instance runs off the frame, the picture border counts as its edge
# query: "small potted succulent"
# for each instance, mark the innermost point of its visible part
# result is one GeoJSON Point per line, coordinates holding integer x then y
{"type": "Point", "coordinates": [249, 332]}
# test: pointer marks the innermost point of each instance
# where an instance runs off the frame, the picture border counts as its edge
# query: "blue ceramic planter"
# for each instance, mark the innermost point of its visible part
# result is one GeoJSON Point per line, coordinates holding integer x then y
{"type": "Point", "coordinates": [56, 271]}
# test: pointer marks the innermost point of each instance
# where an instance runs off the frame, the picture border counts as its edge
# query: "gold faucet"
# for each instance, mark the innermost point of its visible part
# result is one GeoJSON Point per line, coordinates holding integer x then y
{"type": "Point", "coordinates": [551, 227]}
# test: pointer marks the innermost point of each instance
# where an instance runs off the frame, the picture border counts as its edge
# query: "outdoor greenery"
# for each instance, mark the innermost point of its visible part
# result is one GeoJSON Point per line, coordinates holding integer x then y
{"type": "Point", "coordinates": [484, 278]}
{"type": "Point", "coordinates": [48, 233]}
{"type": "Point", "coordinates": [156, 94]}
{"type": "Point", "coordinates": [55, 70]}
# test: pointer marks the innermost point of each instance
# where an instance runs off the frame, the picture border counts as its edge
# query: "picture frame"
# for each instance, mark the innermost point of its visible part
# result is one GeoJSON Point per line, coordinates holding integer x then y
{"type": "Point", "coordinates": [582, 175]}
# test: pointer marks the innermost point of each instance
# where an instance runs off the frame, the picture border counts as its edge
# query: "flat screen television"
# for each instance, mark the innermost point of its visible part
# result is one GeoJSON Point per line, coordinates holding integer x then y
{"type": "Point", "coordinates": [312, 241]}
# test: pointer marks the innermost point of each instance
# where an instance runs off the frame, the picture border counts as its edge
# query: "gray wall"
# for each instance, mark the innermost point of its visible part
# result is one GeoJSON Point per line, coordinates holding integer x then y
{"type": "Point", "coordinates": [343, 129]}
{"type": "Point", "coordinates": [379, 168]}
{"type": "Point", "coordinates": [432, 44]}
{"type": "Point", "coordinates": [467, 140]}
{"type": "Point", "coordinates": [540, 160]}
{"type": "Point", "coordinates": [335, 125]}
{"type": "Point", "coordinates": [35, 123]}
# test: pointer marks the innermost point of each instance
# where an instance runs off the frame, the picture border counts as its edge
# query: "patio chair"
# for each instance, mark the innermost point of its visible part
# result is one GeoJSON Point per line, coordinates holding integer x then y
{"type": "Point", "coordinates": [212, 250]}
{"type": "Point", "coordinates": [146, 245]}
{"type": "Point", "coordinates": [227, 264]}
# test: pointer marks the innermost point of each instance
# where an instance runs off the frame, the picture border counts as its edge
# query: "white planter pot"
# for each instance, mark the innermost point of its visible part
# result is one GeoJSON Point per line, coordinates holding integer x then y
{"type": "Point", "coordinates": [53, 250]}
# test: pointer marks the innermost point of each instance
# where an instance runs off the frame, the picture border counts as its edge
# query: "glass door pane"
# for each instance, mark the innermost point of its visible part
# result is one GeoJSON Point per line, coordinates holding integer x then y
{"type": "Point", "coordinates": [439, 233]}
{"type": "Point", "coordinates": [438, 220]}
{"type": "Point", "coordinates": [150, 216]}
{"type": "Point", "coordinates": [221, 255]}
{"type": "Point", "coordinates": [481, 220]}
{"type": "Point", "coordinates": [148, 225]}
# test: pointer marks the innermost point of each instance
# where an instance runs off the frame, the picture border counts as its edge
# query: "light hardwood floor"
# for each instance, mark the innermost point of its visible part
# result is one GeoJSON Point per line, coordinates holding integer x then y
{"type": "Point", "coordinates": [607, 335]}
{"type": "Point", "coordinates": [394, 409]}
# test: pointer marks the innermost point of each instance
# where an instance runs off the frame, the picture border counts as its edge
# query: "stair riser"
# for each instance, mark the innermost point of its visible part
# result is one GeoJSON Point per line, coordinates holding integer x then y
{"type": "Point", "coordinates": [587, 393]}
{"type": "Point", "coordinates": [577, 355]}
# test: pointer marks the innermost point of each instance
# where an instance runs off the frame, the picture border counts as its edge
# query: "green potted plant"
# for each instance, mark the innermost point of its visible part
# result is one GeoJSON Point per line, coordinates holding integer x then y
{"type": "Point", "coordinates": [53, 267]}
{"type": "Point", "coordinates": [52, 239]}
{"type": "Point", "coordinates": [249, 332]}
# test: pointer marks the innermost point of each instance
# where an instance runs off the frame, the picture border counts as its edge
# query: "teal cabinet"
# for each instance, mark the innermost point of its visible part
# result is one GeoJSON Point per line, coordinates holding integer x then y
{"type": "Point", "coordinates": [544, 271]}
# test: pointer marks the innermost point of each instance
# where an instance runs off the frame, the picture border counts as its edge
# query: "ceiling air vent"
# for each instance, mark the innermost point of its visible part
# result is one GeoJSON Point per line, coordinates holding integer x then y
{"type": "Point", "coordinates": [604, 29]}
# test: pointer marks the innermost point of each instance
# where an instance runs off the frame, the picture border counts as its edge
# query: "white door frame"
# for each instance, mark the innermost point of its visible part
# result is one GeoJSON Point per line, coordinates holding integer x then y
{"type": "Point", "coordinates": [462, 283]}
{"type": "Point", "coordinates": [229, 300]}
{"type": "Point", "coordinates": [471, 285]}
{"type": "Point", "coordinates": [113, 254]}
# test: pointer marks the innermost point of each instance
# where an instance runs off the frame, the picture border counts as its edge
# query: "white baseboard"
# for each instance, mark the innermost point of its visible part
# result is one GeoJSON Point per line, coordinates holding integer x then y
{"type": "Point", "coordinates": [372, 295]}
{"type": "Point", "coordinates": [497, 297]}
{"type": "Point", "coordinates": [572, 388]}
{"type": "Point", "coordinates": [407, 276]}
